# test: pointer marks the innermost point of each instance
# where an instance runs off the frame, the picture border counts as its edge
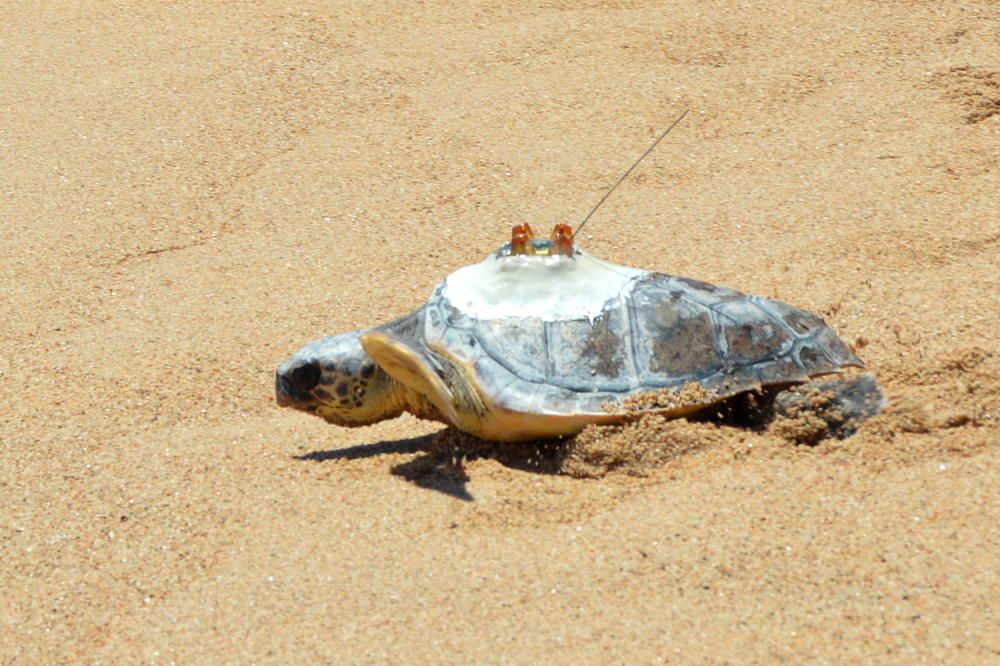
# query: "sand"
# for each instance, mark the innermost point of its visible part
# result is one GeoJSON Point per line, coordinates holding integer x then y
{"type": "Point", "coordinates": [191, 191]}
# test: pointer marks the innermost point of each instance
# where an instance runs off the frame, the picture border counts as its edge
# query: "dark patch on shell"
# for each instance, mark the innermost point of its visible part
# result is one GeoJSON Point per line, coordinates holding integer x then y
{"type": "Point", "coordinates": [341, 389]}
{"type": "Point", "coordinates": [604, 348]}
{"type": "Point", "coordinates": [754, 341]}
{"type": "Point", "coordinates": [683, 345]}
{"type": "Point", "coordinates": [320, 393]}
{"type": "Point", "coordinates": [585, 355]}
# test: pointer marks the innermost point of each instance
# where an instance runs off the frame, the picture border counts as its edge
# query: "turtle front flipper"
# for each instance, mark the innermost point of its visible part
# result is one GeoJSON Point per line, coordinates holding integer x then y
{"type": "Point", "coordinates": [411, 364]}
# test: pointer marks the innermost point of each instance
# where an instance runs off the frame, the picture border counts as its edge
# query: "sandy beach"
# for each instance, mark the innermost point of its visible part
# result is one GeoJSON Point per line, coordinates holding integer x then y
{"type": "Point", "coordinates": [189, 192]}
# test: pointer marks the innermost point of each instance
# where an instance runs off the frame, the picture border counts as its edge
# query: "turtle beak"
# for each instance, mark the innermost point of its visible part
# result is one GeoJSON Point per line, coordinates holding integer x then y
{"type": "Point", "coordinates": [282, 390]}
{"type": "Point", "coordinates": [293, 385]}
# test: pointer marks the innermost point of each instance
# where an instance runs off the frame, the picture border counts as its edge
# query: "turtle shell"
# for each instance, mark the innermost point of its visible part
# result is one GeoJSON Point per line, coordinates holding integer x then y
{"type": "Point", "coordinates": [659, 332]}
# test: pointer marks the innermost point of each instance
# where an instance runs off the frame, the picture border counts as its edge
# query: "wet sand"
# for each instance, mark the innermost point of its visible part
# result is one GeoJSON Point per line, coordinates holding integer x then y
{"type": "Point", "coordinates": [192, 191]}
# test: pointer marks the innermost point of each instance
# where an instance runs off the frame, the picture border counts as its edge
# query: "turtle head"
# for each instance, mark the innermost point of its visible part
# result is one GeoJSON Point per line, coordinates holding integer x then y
{"type": "Point", "coordinates": [334, 378]}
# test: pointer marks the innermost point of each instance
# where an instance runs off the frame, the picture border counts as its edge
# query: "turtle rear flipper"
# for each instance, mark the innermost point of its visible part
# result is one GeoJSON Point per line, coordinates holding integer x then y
{"type": "Point", "coordinates": [826, 407]}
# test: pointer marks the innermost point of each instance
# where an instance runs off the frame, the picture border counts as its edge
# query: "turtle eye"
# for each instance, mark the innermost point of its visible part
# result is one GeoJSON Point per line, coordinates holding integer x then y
{"type": "Point", "coordinates": [306, 376]}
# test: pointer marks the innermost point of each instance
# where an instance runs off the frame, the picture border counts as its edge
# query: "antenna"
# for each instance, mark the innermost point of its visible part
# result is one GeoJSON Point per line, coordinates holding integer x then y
{"type": "Point", "coordinates": [648, 151]}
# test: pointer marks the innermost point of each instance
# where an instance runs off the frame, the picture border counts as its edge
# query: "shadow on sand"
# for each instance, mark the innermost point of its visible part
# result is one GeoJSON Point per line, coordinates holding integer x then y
{"type": "Point", "coordinates": [439, 464]}
{"type": "Point", "coordinates": [433, 468]}
{"type": "Point", "coordinates": [361, 451]}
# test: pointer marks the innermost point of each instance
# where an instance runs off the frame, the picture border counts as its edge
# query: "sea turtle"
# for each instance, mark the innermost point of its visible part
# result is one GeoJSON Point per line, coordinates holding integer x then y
{"type": "Point", "coordinates": [541, 339]}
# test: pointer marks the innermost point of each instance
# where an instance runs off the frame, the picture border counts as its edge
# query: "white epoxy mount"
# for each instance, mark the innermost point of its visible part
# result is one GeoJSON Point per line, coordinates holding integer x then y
{"type": "Point", "coordinates": [550, 287]}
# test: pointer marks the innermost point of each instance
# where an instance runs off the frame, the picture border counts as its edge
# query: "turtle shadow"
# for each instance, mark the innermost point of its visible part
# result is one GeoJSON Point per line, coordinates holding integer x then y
{"type": "Point", "coordinates": [442, 466]}
{"type": "Point", "coordinates": [436, 472]}
{"type": "Point", "coordinates": [433, 468]}
{"type": "Point", "coordinates": [440, 458]}
{"type": "Point", "coordinates": [382, 448]}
